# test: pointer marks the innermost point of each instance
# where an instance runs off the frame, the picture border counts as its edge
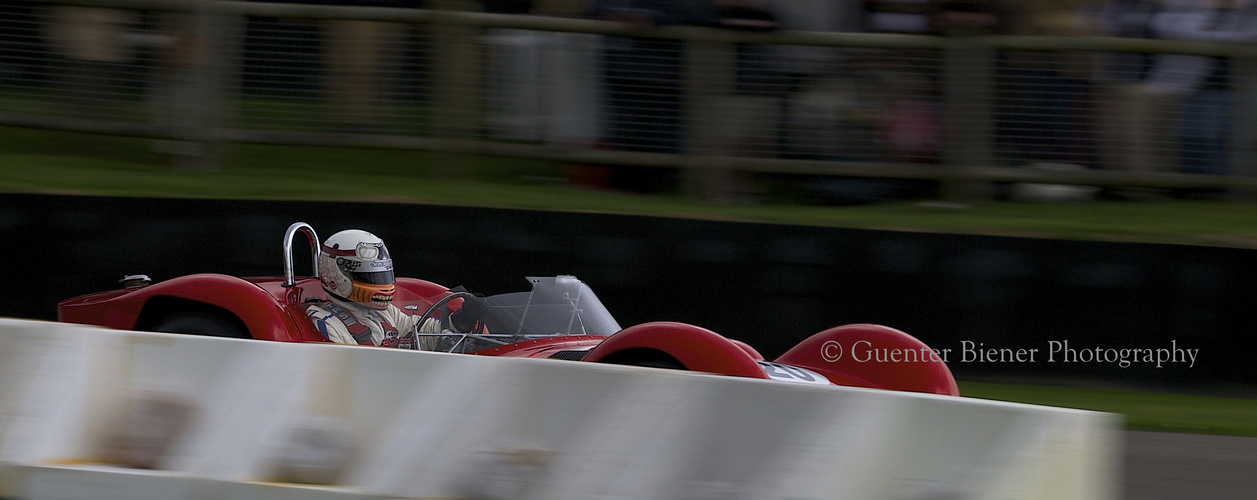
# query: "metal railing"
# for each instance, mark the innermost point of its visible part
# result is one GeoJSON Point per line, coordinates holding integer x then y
{"type": "Point", "coordinates": [709, 102]}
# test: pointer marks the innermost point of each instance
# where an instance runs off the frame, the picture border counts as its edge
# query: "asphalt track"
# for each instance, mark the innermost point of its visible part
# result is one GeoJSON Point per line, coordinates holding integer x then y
{"type": "Point", "coordinates": [1169, 466]}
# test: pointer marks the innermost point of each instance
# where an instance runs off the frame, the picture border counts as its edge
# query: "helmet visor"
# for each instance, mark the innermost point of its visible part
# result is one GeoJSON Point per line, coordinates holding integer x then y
{"type": "Point", "coordinates": [375, 278]}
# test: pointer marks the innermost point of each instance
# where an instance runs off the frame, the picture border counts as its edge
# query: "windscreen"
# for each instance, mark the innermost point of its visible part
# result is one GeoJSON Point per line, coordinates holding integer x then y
{"type": "Point", "coordinates": [559, 305]}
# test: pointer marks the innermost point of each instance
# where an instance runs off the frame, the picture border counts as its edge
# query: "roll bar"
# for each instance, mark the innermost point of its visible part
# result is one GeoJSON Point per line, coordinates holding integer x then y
{"type": "Point", "coordinates": [289, 278]}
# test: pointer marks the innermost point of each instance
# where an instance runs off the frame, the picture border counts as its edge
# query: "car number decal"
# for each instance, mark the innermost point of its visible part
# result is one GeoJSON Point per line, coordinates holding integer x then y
{"type": "Point", "coordinates": [787, 373]}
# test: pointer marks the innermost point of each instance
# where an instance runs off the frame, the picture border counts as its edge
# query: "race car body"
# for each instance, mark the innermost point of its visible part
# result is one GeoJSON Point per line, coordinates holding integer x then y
{"type": "Point", "coordinates": [559, 317]}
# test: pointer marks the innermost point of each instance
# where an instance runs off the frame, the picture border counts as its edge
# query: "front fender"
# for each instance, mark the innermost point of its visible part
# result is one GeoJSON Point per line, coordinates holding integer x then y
{"type": "Point", "coordinates": [875, 356]}
{"type": "Point", "coordinates": [698, 349]}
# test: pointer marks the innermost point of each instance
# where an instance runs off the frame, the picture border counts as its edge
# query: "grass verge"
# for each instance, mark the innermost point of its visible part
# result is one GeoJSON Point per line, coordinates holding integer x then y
{"type": "Point", "coordinates": [1147, 411]}
{"type": "Point", "coordinates": [59, 162]}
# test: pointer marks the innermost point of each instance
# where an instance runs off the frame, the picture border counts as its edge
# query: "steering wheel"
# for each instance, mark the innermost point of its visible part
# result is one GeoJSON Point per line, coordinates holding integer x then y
{"type": "Point", "coordinates": [440, 303]}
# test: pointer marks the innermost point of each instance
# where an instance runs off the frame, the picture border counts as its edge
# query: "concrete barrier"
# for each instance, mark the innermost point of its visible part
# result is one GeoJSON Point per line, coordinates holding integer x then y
{"type": "Point", "coordinates": [84, 410]}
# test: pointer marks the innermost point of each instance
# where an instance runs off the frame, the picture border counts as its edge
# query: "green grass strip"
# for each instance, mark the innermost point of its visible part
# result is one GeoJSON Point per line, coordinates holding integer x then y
{"type": "Point", "coordinates": [284, 173]}
{"type": "Point", "coordinates": [1148, 411]}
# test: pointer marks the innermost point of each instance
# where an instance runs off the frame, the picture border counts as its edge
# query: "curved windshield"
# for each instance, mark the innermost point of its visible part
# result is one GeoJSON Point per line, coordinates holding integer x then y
{"type": "Point", "coordinates": [559, 305]}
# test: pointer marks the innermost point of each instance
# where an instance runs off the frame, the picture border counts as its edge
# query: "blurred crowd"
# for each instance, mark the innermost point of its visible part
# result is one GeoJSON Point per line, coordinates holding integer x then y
{"type": "Point", "coordinates": [1114, 111]}
{"type": "Point", "coordinates": [1119, 111]}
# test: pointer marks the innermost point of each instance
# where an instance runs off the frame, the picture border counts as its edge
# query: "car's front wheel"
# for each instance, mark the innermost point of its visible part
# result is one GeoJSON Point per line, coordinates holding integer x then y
{"type": "Point", "coordinates": [203, 323]}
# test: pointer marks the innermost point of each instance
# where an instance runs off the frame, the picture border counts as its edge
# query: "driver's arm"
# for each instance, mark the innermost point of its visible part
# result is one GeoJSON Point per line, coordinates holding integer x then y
{"type": "Point", "coordinates": [406, 323]}
{"type": "Point", "coordinates": [462, 320]}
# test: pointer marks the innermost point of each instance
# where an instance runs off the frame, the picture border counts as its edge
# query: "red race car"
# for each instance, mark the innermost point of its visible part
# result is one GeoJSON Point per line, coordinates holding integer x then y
{"type": "Point", "coordinates": [560, 318]}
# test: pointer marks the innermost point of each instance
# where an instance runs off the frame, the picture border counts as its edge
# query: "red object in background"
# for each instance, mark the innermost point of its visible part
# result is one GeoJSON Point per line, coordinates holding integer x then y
{"type": "Point", "coordinates": [911, 131]}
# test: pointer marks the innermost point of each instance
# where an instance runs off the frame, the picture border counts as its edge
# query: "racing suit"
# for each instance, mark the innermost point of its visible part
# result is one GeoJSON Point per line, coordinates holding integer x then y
{"type": "Point", "coordinates": [349, 323]}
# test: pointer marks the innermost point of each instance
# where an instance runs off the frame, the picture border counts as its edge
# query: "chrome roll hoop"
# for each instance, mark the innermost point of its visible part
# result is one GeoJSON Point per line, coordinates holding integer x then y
{"type": "Point", "coordinates": [289, 277]}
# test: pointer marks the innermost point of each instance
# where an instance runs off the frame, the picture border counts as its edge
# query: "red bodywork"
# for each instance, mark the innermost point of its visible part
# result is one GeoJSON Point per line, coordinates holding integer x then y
{"type": "Point", "coordinates": [271, 311]}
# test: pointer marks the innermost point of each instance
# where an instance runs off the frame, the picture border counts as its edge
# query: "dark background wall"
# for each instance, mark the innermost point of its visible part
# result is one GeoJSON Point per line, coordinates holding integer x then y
{"type": "Point", "coordinates": [770, 285]}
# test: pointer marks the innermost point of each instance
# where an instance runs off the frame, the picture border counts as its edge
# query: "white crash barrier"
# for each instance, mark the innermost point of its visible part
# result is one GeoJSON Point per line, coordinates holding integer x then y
{"type": "Point", "coordinates": [83, 410]}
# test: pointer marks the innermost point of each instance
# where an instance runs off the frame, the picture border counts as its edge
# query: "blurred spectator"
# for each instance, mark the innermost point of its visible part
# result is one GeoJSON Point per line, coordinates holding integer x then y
{"type": "Point", "coordinates": [936, 17]}
{"type": "Point", "coordinates": [1203, 83]}
{"type": "Point", "coordinates": [361, 65]}
{"type": "Point", "coordinates": [1132, 118]}
{"type": "Point", "coordinates": [1043, 97]}
{"type": "Point", "coordinates": [818, 103]}
{"type": "Point", "coordinates": [186, 97]}
{"type": "Point", "coordinates": [898, 16]}
{"type": "Point", "coordinates": [910, 122]}
{"type": "Point", "coordinates": [809, 83]}
{"type": "Point", "coordinates": [643, 78]}
{"type": "Point", "coordinates": [970, 17]}
{"type": "Point", "coordinates": [94, 44]}
{"type": "Point", "coordinates": [1170, 112]}
{"type": "Point", "coordinates": [744, 15]}
{"type": "Point", "coordinates": [762, 80]}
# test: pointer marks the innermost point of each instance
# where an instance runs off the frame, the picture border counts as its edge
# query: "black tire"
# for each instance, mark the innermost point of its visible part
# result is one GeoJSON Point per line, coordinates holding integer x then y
{"type": "Point", "coordinates": [664, 363]}
{"type": "Point", "coordinates": [202, 323]}
{"type": "Point", "coordinates": [644, 357]}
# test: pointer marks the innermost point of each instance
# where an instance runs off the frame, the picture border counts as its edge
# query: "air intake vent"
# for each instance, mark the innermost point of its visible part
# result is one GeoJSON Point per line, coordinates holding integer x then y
{"type": "Point", "coordinates": [569, 355]}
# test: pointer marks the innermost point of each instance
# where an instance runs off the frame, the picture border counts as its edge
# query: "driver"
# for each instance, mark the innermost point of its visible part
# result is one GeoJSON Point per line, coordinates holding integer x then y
{"type": "Point", "coordinates": [357, 274]}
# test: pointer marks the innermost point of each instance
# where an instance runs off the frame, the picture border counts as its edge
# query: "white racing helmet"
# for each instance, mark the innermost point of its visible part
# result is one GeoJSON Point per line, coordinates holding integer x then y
{"type": "Point", "coordinates": [354, 265]}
